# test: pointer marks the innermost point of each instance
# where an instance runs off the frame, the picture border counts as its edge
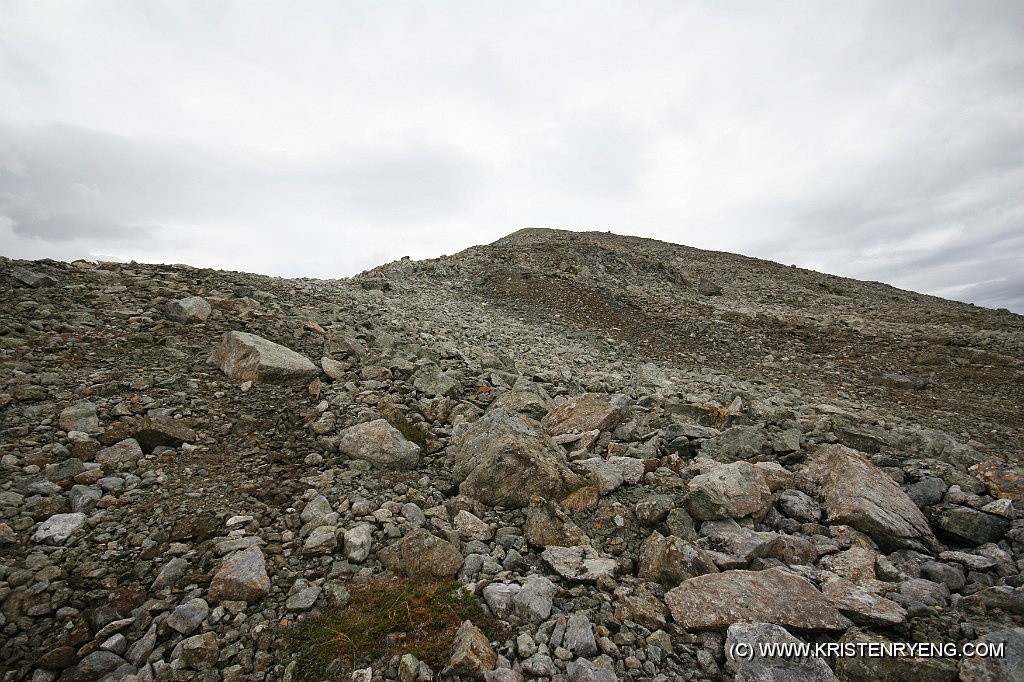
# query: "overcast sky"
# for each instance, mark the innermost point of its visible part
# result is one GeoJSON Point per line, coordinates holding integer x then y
{"type": "Point", "coordinates": [877, 140]}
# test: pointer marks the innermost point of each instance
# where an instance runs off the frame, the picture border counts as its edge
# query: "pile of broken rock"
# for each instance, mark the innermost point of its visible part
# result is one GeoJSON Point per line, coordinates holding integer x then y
{"type": "Point", "coordinates": [179, 480]}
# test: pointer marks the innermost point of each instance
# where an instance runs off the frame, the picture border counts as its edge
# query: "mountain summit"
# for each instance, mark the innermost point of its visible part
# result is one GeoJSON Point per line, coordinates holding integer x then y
{"type": "Point", "coordinates": [563, 456]}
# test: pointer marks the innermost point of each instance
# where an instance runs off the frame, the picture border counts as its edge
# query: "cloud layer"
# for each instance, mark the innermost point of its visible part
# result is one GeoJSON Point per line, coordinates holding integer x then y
{"type": "Point", "coordinates": [874, 140]}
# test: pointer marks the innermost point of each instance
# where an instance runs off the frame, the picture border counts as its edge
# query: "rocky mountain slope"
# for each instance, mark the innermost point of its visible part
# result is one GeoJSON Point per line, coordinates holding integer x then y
{"type": "Point", "coordinates": [633, 455]}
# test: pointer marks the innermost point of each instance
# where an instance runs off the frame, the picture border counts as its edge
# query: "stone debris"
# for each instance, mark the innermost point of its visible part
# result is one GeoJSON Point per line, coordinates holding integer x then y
{"type": "Point", "coordinates": [627, 475]}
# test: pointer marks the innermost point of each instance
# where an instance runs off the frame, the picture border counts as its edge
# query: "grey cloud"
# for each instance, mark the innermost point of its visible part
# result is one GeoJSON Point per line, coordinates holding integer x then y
{"type": "Point", "coordinates": [61, 182]}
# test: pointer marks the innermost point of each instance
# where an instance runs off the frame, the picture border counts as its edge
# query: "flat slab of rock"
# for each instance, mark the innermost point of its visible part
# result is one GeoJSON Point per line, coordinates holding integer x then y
{"type": "Point", "coordinates": [247, 357]}
{"type": "Point", "coordinates": [717, 600]}
{"type": "Point", "coordinates": [150, 432]}
{"type": "Point", "coordinates": [582, 564]}
{"type": "Point", "coordinates": [58, 528]}
{"type": "Point", "coordinates": [587, 412]}
{"type": "Point", "coordinates": [380, 444]}
{"type": "Point", "coordinates": [862, 606]}
{"type": "Point", "coordinates": [857, 493]}
{"type": "Point", "coordinates": [242, 577]}
{"type": "Point", "coordinates": [506, 459]}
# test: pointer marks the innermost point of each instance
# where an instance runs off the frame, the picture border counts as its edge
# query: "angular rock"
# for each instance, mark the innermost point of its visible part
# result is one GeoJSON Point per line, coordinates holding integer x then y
{"type": "Point", "coordinates": [469, 527]}
{"type": "Point", "coordinates": [358, 542]}
{"type": "Point", "coordinates": [151, 432]}
{"type": "Point", "coordinates": [379, 443]}
{"type": "Point", "coordinates": [431, 381]}
{"type": "Point", "coordinates": [534, 601]}
{"type": "Point", "coordinates": [303, 595]}
{"type": "Point", "coordinates": [670, 560]}
{"type": "Point", "coordinates": [864, 668]}
{"type": "Point", "coordinates": [1009, 667]}
{"type": "Point", "coordinates": [188, 616]}
{"type": "Point", "coordinates": [856, 493]}
{"type": "Point", "coordinates": [79, 417]}
{"type": "Point", "coordinates": [241, 577]}
{"type": "Point", "coordinates": [581, 564]}
{"type": "Point", "coordinates": [861, 606]}
{"type": "Point", "coordinates": [759, 668]}
{"type": "Point", "coordinates": [170, 574]}
{"type": "Point", "coordinates": [58, 528]}
{"type": "Point", "coordinates": [728, 491]}
{"type": "Point", "coordinates": [247, 357]}
{"type": "Point", "coordinates": [120, 455]}
{"type": "Point", "coordinates": [527, 398]}
{"type": "Point", "coordinates": [969, 526]}
{"type": "Point", "coordinates": [499, 597]}
{"type": "Point", "coordinates": [717, 600]}
{"type": "Point", "coordinates": [421, 554]}
{"type": "Point", "coordinates": [322, 540]}
{"type": "Point", "coordinates": [506, 460]}
{"type": "Point", "coordinates": [191, 309]}
{"type": "Point", "coordinates": [472, 655]}
{"type": "Point", "coordinates": [546, 524]}
{"type": "Point", "coordinates": [587, 412]}
{"type": "Point", "coordinates": [582, 670]}
{"type": "Point", "coordinates": [738, 442]}
{"type": "Point", "coordinates": [198, 652]}
{"type": "Point", "coordinates": [579, 636]}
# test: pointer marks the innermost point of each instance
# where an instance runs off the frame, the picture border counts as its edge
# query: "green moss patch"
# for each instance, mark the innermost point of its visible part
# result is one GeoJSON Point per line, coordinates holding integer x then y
{"type": "Point", "coordinates": [385, 618]}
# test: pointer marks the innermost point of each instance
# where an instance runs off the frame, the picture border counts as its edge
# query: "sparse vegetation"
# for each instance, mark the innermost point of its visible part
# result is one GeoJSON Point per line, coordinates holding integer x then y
{"type": "Point", "coordinates": [385, 618]}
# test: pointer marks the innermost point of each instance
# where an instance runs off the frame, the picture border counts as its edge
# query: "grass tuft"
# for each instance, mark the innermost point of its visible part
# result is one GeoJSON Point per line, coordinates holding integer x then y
{"type": "Point", "coordinates": [386, 618]}
{"type": "Point", "coordinates": [583, 499]}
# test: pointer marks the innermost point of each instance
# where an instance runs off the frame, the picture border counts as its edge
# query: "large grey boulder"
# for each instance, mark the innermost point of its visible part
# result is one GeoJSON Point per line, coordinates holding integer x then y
{"type": "Point", "coordinates": [379, 443]}
{"type": "Point", "coordinates": [857, 493]}
{"type": "Point", "coordinates": [728, 491]}
{"type": "Point", "coordinates": [506, 459]}
{"type": "Point", "coordinates": [587, 412]}
{"type": "Point", "coordinates": [744, 657]}
{"type": "Point", "coordinates": [717, 600]}
{"type": "Point", "coordinates": [247, 357]}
